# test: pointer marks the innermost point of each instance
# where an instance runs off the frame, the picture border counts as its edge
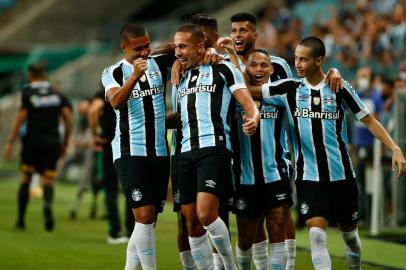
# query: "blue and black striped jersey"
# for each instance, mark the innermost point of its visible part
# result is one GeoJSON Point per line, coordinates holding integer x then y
{"type": "Point", "coordinates": [262, 157]}
{"type": "Point", "coordinates": [318, 124]}
{"type": "Point", "coordinates": [140, 125]}
{"type": "Point", "coordinates": [204, 96]}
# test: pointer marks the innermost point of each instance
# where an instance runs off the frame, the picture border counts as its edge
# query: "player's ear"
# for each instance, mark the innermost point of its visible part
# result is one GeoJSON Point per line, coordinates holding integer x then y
{"type": "Point", "coordinates": [319, 60]}
{"type": "Point", "coordinates": [201, 47]}
{"type": "Point", "coordinates": [122, 46]}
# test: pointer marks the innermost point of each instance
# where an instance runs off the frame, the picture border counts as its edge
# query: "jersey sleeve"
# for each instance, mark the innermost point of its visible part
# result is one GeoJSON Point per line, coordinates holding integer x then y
{"type": "Point", "coordinates": [112, 77]}
{"type": "Point", "coordinates": [66, 103]}
{"type": "Point", "coordinates": [25, 100]}
{"type": "Point", "coordinates": [281, 69]}
{"type": "Point", "coordinates": [275, 93]}
{"type": "Point", "coordinates": [353, 102]}
{"type": "Point", "coordinates": [232, 75]}
{"type": "Point", "coordinates": [164, 62]}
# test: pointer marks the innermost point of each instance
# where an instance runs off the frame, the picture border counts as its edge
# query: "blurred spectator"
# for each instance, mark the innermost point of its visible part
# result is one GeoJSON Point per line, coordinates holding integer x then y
{"type": "Point", "coordinates": [362, 139]}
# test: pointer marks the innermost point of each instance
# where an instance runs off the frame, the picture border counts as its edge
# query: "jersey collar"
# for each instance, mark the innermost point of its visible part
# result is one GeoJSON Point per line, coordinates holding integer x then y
{"type": "Point", "coordinates": [315, 87]}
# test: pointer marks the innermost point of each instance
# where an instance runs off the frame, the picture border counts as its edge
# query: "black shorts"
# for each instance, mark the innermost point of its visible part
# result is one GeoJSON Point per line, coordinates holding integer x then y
{"type": "Point", "coordinates": [174, 182]}
{"type": "Point", "coordinates": [203, 170]}
{"type": "Point", "coordinates": [255, 200]}
{"type": "Point", "coordinates": [40, 158]}
{"type": "Point", "coordinates": [144, 180]}
{"type": "Point", "coordinates": [337, 200]}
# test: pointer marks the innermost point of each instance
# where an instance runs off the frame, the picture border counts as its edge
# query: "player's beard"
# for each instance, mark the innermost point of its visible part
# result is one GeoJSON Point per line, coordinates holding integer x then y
{"type": "Point", "coordinates": [248, 46]}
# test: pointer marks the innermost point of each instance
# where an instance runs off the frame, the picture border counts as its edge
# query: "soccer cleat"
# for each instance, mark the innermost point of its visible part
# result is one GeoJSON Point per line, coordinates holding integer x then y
{"type": "Point", "coordinates": [20, 225]}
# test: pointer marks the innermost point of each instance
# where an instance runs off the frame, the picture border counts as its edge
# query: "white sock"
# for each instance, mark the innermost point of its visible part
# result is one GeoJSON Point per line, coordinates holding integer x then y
{"type": "Point", "coordinates": [187, 261]}
{"type": "Point", "coordinates": [352, 249]}
{"type": "Point", "coordinates": [218, 262]}
{"type": "Point", "coordinates": [318, 243]}
{"type": "Point", "coordinates": [144, 239]}
{"type": "Point", "coordinates": [201, 252]}
{"type": "Point", "coordinates": [291, 246]}
{"type": "Point", "coordinates": [278, 256]}
{"type": "Point", "coordinates": [244, 258]}
{"type": "Point", "coordinates": [132, 261]}
{"type": "Point", "coordinates": [260, 255]}
{"type": "Point", "coordinates": [221, 240]}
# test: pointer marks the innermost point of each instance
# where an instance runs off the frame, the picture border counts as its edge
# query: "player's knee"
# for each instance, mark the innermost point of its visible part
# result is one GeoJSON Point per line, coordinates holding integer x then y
{"type": "Point", "coordinates": [146, 216]}
{"type": "Point", "coordinates": [244, 241]}
{"type": "Point", "coordinates": [206, 217]}
{"type": "Point", "coordinates": [352, 240]}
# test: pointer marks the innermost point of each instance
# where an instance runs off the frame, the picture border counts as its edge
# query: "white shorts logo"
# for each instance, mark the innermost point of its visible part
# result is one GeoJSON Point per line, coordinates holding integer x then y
{"type": "Point", "coordinates": [281, 196]}
{"type": "Point", "coordinates": [304, 208]}
{"type": "Point", "coordinates": [136, 195]}
{"type": "Point", "coordinates": [210, 183]}
{"type": "Point", "coordinates": [354, 216]}
{"type": "Point", "coordinates": [241, 205]}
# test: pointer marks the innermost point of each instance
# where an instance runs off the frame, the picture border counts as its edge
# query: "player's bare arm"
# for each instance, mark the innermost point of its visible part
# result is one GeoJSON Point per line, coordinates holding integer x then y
{"type": "Point", "coordinates": [20, 118]}
{"type": "Point", "coordinates": [380, 132]}
{"type": "Point", "coordinates": [67, 120]}
{"type": "Point", "coordinates": [93, 117]}
{"type": "Point", "coordinates": [118, 96]}
{"type": "Point", "coordinates": [251, 119]}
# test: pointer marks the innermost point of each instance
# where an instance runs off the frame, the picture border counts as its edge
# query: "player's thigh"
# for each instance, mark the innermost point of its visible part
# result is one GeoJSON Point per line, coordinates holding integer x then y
{"type": "Point", "coordinates": [158, 169]}
{"type": "Point", "coordinates": [213, 170]}
{"type": "Point", "coordinates": [132, 173]}
{"type": "Point", "coordinates": [247, 203]}
{"type": "Point", "coordinates": [345, 203]}
{"type": "Point", "coordinates": [186, 177]}
{"type": "Point", "coordinates": [313, 199]}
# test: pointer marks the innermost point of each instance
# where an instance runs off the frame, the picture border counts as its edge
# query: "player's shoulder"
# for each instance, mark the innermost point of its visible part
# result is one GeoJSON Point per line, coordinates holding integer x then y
{"type": "Point", "coordinates": [111, 68]}
{"type": "Point", "coordinates": [347, 87]}
{"type": "Point", "coordinates": [224, 64]}
{"type": "Point", "coordinates": [288, 81]}
{"type": "Point", "coordinates": [278, 60]}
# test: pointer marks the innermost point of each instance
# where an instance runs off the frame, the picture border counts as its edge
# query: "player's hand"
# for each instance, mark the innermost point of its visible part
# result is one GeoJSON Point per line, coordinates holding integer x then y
{"type": "Point", "coordinates": [250, 125]}
{"type": "Point", "coordinates": [211, 57]}
{"type": "Point", "coordinates": [398, 159]}
{"type": "Point", "coordinates": [176, 72]}
{"type": "Point", "coordinates": [227, 44]}
{"type": "Point", "coordinates": [8, 151]}
{"type": "Point", "coordinates": [98, 143]}
{"type": "Point", "coordinates": [140, 66]}
{"type": "Point", "coordinates": [334, 79]}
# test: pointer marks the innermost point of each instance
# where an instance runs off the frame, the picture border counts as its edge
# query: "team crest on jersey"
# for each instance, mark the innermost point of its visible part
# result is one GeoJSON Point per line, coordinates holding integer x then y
{"type": "Point", "coordinates": [154, 75]}
{"type": "Point", "coordinates": [316, 101]}
{"type": "Point", "coordinates": [194, 78]}
{"type": "Point", "coordinates": [304, 208]}
{"type": "Point", "coordinates": [136, 195]}
{"type": "Point", "coordinates": [241, 204]}
{"type": "Point", "coordinates": [143, 78]}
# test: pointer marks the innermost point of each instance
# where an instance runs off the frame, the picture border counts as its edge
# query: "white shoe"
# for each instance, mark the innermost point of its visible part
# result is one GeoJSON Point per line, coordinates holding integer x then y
{"type": "Point", "coordinates": [117, 240]}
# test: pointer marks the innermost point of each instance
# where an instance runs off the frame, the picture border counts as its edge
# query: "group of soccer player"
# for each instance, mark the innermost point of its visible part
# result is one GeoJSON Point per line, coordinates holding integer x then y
{"type": "Point", "coordinates": [230, 127]}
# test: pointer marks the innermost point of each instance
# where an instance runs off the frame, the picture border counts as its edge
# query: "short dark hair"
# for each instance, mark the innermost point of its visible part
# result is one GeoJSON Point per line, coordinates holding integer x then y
{"type": "Point", "coordinates": [259, 50]}
{"type": "Point", "coordinates": [204, 20]}
{"type": "Point", "coordinates": [37, 70]}
{"type": "Point", "coordinates": [195, 31]}
{"type": "Point", "coordinates": [132, 30]}
{"type": "Point", "coordinates": [244, 16]}
{"type": "Point", "coordinates": [315, 44]}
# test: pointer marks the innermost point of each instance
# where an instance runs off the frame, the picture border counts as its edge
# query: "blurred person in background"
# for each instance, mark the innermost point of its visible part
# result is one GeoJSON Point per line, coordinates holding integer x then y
{"type": "Point", "coordinates": [362, 138]}
{"type": "Point", "coordinates": [102, 124]}
{"type": "Point", "coordinates": [42, 145]}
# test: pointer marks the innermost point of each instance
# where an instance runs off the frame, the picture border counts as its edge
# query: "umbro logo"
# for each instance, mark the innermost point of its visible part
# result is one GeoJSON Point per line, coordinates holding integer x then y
{"type": "Point", "coordinates": [153, 75]}
{"type": "Point", "coordinates": [281, 196]}
{"type": "Point", "coordinates": [354, 215]}
{"type": "Point", "coordinates": [205, 75]}
{"type": "Point", "coordinates": [210, 183]}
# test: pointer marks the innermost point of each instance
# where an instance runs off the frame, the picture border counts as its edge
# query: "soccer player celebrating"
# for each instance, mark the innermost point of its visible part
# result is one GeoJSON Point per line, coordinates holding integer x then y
{"type": "Point", "coordinates": [324, 172]}
{"type": "Point", "coordinates": [204, 162]}
{"type": "Point", "coordinates": [135, 88]}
